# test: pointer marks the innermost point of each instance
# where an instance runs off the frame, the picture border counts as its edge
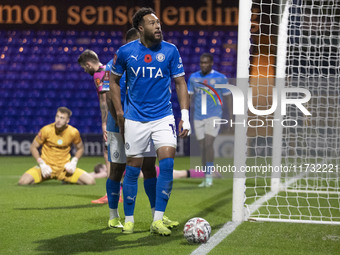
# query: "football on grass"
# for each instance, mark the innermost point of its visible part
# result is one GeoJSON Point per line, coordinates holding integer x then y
{"type": "Point", "coordinates": [197, 230]}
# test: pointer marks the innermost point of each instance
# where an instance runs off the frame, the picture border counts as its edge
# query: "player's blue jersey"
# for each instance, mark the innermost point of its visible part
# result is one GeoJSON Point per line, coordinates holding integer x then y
{"type": "Point", "coordinates": [111, 123]}
{"type": "Point", "coordinates": [149, 72]}
{"type": "Point", "coordinates": [106, 82]}
{"type": "Point", "coordinates": [196, 88]}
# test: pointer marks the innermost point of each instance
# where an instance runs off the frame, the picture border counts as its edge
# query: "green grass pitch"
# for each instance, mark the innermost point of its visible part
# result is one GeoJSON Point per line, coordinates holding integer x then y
{"type": "Point", "coordinates": [51, 218]}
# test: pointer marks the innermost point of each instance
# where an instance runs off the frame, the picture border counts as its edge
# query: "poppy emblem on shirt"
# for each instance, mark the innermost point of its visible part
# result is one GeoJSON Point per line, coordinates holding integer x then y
{"type": "Point", "coordinates": [147, 58]}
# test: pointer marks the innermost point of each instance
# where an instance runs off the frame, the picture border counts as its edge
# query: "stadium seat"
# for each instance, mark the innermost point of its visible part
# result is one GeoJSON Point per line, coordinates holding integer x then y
{"type": "Point", "coordinates": [51, 77]}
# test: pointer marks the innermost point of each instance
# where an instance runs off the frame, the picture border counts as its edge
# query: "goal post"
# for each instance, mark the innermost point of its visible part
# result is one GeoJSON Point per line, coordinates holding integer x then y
{"type": "Point", "coordinates": [243, 53]}
{"type": "Point", "coordinates": [288, 165]}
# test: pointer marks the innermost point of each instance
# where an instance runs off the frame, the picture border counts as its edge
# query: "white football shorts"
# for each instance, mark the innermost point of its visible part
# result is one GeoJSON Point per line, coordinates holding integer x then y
{"type": "Point", "coordinates": [140, 135]}
{"type": "Point", "coordinates": [116, 151]}
{"type": "Point", "coordinates": [206, 127]}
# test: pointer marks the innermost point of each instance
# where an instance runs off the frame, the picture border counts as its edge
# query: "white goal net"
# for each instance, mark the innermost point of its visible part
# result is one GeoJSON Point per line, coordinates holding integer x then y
{"type": "Point", "coordinates": [292, 159]}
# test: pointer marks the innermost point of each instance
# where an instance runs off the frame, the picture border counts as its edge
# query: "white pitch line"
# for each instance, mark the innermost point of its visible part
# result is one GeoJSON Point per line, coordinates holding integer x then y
{"type": "Point", "coordinates": [220, 235]}
{"type": "Point", "coordinates": [230, 226]}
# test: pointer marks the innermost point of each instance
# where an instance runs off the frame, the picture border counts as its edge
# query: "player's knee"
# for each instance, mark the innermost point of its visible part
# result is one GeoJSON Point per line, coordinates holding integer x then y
{"type": "Point", "coordinates": [86, 179]}
{"type": "Point", "coordinates": [166, 167]}
{"type": "Point", "coordinates": [116, 172]}
{"type": "Point", "coordinates": [149, 173]}
{"type": "Point", "coordinates": [26, 179]}
{"type": "Point", "coordinates": [132, 173]}
{"type": "Point", "coordinates": [22, 182]}
{"type": "Point", "coordinates": [92, 181]}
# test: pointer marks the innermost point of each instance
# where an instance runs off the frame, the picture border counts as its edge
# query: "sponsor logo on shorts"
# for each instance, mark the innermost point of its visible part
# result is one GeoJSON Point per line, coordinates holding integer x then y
{"type": "Point", "coordinates": [127, 146]}
{"type": "Point", "coordinates": [116, 154]}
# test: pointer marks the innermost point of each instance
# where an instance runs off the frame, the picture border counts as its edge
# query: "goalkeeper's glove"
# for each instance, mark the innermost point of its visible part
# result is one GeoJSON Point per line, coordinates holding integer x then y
{"type": "Point", "coordinates": [70, 167]}
{"type": "Point", "coordinates": [186, 122]}
{"type": "Point", "coordinates": [46, 170]}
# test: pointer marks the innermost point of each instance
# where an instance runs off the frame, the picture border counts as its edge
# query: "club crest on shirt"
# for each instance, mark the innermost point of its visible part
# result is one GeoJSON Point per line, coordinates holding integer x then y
{"type": "Point", "coordinates": [160, 57]}
{"type": "Point", "coordinates": [60, 142]}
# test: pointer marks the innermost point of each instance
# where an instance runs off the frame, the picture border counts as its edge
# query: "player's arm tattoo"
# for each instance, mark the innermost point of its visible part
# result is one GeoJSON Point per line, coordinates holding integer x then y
{"type": "Point", "coordinates": [103, 108]}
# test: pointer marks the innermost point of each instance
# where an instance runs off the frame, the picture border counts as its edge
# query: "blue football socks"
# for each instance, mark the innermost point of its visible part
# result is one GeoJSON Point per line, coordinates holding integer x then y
{"type": "Point", "coordinates": [130, 187]}
{"type": "Point", "coordinates": [150, 190]}
{"type": "Point", "coordinates": [164, 184]}
{"type": "Point", "coordinates": [113, 192]}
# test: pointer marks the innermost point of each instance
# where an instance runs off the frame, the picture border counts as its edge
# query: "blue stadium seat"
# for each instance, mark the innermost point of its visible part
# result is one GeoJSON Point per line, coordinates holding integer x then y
{"type": "Point", "coordinates": [49, 75]}
{"type": "Point", "coordinates": [31, 66]}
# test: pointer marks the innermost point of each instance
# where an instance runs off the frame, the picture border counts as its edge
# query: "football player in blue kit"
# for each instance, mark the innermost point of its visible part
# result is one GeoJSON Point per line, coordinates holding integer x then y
{"type": "Point", "coordinates": [116, 153]}
{"type": "Point", "coordinates": [199, 85]}
{"type": "Point", "coordinates": [149, 64]}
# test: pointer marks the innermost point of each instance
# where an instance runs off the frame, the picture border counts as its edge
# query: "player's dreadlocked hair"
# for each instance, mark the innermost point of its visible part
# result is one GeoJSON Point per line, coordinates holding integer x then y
{"type": "Point", "coordinates": [137, 19]}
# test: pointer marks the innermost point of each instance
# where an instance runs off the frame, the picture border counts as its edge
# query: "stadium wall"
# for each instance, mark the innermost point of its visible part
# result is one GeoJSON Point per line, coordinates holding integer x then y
{"type": "Point", "coordinates": [19, 145]}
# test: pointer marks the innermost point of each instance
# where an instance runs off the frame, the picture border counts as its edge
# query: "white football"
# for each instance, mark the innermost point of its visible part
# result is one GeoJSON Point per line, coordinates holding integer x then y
{"type": "Point", "coordinates": [197, 230]}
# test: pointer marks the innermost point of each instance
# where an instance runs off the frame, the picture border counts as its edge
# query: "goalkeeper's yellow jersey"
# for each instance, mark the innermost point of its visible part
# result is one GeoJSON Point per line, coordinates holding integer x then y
{"type": "Point", "coordinates": [56, 147]}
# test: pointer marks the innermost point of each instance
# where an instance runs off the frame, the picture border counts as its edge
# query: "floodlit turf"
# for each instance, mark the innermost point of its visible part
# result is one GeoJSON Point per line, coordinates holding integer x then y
{"type": "Point", "coordinates": [51, 218]}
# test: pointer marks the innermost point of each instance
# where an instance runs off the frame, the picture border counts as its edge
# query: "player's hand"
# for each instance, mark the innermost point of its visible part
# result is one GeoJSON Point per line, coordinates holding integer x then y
{"type": "Point", "coordinates": [184, 125]}
{"type": "Point", "coordinates": [70, 167]}
{"type": "Point", "coordinates": [46, 170]}
{"type": "Point", "coordinates": [121, 121]}
{"type": "Point", "coordinates": [104, 132]}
